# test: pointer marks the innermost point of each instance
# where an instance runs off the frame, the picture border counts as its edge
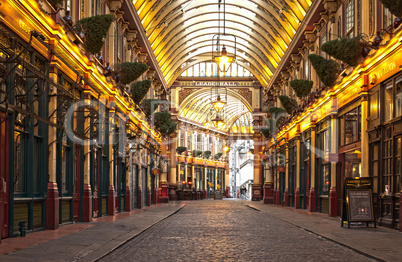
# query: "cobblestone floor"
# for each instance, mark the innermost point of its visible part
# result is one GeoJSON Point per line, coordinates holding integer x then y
{"type": "Point", "coordinates": [228, 231]}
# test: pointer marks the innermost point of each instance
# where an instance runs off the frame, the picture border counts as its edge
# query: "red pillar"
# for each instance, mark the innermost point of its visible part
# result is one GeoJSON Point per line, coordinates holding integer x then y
{"type": "Point", "coordinates": [332, 202]}
{"type": "Point", "coordinates": [87, 204]}
{"type": "Point", "coordinates": [268, 193]}
{"type": "Point", "coordinates": [297, 198]}
{"type": "Point", "coordinates": [149, 197]}
{"type": "Point", "coordinates": [127, 206]}
{"type": "Point", "coordinates": [52, 206]}
{"type": "Point", "coordinates": [164, 198]}
{"type": "Point", "coordinates": [311, 200]}
{"type": "Point", "coordinates": [111, 201]}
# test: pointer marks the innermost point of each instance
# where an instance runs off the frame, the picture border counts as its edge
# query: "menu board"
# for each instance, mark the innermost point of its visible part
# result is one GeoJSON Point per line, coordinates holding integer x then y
{"type": "Point", "coordinates": [360, 205]}
{"type": "Point", "coordinates": [218, 194]}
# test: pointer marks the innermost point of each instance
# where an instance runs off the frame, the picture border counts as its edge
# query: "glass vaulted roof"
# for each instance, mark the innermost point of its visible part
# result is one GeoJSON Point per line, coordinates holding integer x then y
{"type": "Point", "coordinates": [181, 32]}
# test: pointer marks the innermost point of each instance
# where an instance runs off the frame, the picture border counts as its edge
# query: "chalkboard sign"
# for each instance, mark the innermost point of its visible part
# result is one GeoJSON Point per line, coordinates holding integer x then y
{"type": "Point", "coordinates": [358, 201]}
{"type": "Point", "coordinates": [218, 194]}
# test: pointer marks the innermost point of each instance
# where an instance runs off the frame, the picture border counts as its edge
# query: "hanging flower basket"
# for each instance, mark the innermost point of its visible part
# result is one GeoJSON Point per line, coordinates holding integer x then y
{"type": "Point", "coordinates": [394, 6]}
{"type": "Point", "coordinates": [197, 153]}
{"type": "Point", "coordinates": [149, 106]}
{"type": "Point", "coordinates": [55, 3]}
{"type": "Point", "coordinates": [327, 69]}
{"type": "Point", "coordinates": [276, 111]}
{"type": "Point", "coordinates": [181, 149]}
{"type": "Point", "coordinates": [288, 103]}
{"type": "Point", "coordinates": [168, 128]}
{"type": "Point", "coordinates": [266, 132]}
{"type": "Point", "coordinates": [207, 154]}
{"type": "Point", "coordinates": [95, 29]}
{"type": "Point", "coordinates": [127, 72]}
{"type": "Point", "coordinates": [139, 90]}
{"type": "Point", "coordinates": [301, 87]}
{"type": "Point", "coordinates": [348, 50]}
{"type": "Point", "coordinates": [217, 156]}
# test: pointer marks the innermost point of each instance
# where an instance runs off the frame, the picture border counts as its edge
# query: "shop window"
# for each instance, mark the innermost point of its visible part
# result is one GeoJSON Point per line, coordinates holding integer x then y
{"type": "Point", "coordinates": [388, 112]}
{"type": "Point", "coordinates": [350, 127]}
{"type": "Point", "coordinates": [306, 70]}
{"type": "Point", "coordinates": [19, 178]}
{"type": "Point", "coordinates": [375, 152]}
{"type": "Point", "coordinates": [387, 171]}
{"type": "Point", "coordinates": [325, 180]}
{"type": "Point", "coordinates": [398, 96]}
{"type": "Point", "coordinates": [350, 18]}
{"type": "Point", "coordinates": [398, 165]}
{"type": "Point", "coordinates": [373, 101]}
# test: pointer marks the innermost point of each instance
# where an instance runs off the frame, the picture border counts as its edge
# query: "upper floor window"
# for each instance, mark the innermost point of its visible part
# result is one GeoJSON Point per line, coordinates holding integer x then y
{"type": "Point", "coordinates": [350, 18]}
{"type": "Point", "coordinates": [387, 17]}
{"type": "Point", "coordinates": [350, 127]}
{"type": "Point", "coordinates": [306, 69]}
{"type": "Point", "coordinates": [206, 69]}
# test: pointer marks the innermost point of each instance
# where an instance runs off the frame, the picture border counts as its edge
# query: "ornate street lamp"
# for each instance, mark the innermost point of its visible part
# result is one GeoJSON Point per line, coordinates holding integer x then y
{"type": "Point", "coordinates": [224, 61]}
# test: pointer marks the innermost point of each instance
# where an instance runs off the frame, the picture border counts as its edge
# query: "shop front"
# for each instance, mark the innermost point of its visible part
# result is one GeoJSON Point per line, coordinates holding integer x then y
{"type": "Point", "coordinates": [385, 145]}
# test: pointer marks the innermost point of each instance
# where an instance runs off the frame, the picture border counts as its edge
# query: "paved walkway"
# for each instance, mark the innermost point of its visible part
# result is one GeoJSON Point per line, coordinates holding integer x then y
{"type": "Point", "coordinates": [85, 241]}
{"type": "Point", "coordinates": [208, 230]}
{"type": "Point", "coordinates": [381, 243]}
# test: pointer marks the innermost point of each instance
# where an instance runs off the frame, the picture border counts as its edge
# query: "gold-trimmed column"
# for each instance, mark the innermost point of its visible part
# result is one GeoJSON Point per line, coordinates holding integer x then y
{"type": "Point", "coordinates": [173, 169]}
{"type": "Point", "coordinates": [257, 187]}
{"type": "Point", "coordinates": [312, 193]}
{"type": "Point", "coordinates": [286, 195]}
{"type": "Point", "coordinates": [298, 169]}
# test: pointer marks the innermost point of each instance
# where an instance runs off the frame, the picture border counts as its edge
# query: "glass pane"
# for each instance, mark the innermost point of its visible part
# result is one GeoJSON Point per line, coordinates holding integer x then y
{"type": "Point", "coordinates": [19, 179]}
{"type": "Point", "coordinates": [398, 96]}
{"type": "Point", "coordinates": [388, 102]}
{"type": "Point", "coordinates": [374, 105]}
{"type": "Point", "coordinates": [351, 126]}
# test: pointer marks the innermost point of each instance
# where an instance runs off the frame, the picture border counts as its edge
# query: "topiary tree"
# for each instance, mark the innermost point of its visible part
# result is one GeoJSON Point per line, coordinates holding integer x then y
{"type": "Point", "coordinates": [301, 87]}
{"type": "Point", "coordinates": [276, 111]}
{"type": "Point", "coordinates": [348, 50]}
{"type": "Point", "coordinates": [207, 154]}
{"type": "Point", "coordinates": [95, 29]}
{"type": "Point", "coordinates": [288, 103]}
{"type": "Point", "coordinates": [327, 69]}
{"type": "Point", "coordinates": [150, 105]}
{"type": "Point", "coordinates": [197, 153]}
{"type": "Point", "coordinates": [181, 149]}
{"type": "Point", "coordinates": [394, 6]}
{"type": "Point", "coordinates": [128, 71]}
{"type": "Point", "coordinates": [139, 90]}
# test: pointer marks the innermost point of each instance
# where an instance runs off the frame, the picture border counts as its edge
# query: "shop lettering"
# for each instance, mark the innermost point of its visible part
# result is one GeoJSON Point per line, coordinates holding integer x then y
{"type": "Point", "coordinates": [381, 73]}
{"type": "Point", "coordinates": [215, 83]}
{"type": "Point", "coordinates": [25, 27]}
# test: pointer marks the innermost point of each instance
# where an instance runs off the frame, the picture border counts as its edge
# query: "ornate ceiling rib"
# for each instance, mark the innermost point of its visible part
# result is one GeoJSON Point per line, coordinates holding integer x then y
{"type": "Point", "coordinates": [172, 26]}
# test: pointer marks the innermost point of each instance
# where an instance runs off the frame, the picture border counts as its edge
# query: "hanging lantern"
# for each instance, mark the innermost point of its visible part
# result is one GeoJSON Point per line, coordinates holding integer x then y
{"type": "Point", "coordinates": [218, 104]}
{"type": "Point", "coordinates": [207, 124]}
{"type": "Point", "coordinates": [224, 61]}
{"type": "Point", "coordinates": [218, 121]}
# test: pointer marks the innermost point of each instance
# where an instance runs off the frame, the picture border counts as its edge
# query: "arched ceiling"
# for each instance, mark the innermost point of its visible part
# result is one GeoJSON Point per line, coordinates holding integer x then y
{"type": "Point", "coordinates": [181, 31]}
{"type": "Point", "coordinates": [197, 108]}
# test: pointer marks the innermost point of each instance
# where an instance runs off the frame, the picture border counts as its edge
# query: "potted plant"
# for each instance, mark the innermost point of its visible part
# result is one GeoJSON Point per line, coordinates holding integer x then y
{"type": "Point", "coordinates": [139, 90]}
{"type": "Point", "coordinates": [266, 132]}
{"type": "Point", "coordinates": [327, 69]}
{"type": "Point", "coordinates": [301, 87]}
{"type": "Point", "coordinates": [348, 50]}
{"type": "Point", "coordinates": [95, 29]}
{"type": "Point", "coordinates": [127, 72]}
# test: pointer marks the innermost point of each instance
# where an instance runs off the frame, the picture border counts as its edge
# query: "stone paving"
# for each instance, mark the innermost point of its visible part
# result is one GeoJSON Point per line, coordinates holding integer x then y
{"type": "Point", "coordinates": [229, 231]}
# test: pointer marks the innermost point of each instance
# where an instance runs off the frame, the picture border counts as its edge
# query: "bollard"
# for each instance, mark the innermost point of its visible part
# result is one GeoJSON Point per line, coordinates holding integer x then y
{"type": "Point", "coordinates": [23, 228]}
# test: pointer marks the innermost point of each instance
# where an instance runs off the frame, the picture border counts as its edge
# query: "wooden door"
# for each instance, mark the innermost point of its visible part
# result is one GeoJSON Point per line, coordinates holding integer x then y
{"type": "Point", "coordinates": [76, 183]}
{"type": "Point", "coordinates": [4, 171]}
{"type": "Point", "coordinates": [95, 184]}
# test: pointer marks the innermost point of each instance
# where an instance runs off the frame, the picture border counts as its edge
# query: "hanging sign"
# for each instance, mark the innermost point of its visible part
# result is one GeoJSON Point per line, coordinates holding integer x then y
{"type": "Point", "coordinates": [358, 201]}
